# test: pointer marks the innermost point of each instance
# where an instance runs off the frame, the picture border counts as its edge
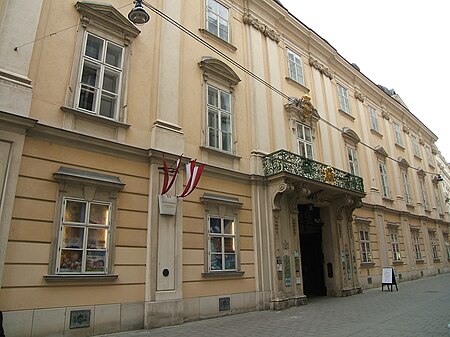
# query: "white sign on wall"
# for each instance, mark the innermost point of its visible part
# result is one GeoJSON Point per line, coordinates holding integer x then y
{"type": "Point", "coordinates": [167, 204]}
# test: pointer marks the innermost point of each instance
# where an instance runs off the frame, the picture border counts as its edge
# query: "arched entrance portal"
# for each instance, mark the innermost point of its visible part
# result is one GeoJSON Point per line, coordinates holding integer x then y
{"type": "Point", "coordinates": [311, 250]}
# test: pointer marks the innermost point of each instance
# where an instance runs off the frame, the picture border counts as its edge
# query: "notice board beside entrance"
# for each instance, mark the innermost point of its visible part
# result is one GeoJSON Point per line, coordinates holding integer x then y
{"type": "Point", "coordinates": [388, 279]}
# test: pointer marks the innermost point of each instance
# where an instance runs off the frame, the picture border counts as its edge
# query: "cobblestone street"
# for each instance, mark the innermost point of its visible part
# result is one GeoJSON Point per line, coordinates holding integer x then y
{"type": "Point", "coordinates": [420, 308]}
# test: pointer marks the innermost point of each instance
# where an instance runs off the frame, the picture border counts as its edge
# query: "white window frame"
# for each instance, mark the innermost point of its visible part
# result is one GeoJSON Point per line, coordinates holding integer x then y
{"type": "Point", "coordinates": [416, 245]}
{"type": "Point", "coordinates": [433, 244]}
{"type": "Point", "coordinates": [364, 240]}
{"type": "Point", "coordinates": [437, 199]}
{"type": "Point", "coordinates": [98, 89]}
{"type": "Point", "coordinates": [398, 134]}
{"type": "Point", "coordinates": [69, 246]}
{"type": "Point", "coordinates": [447, 245]}
{"type": "Point", "coordinates": [373, 119]}
{"type": "Point", "coordinates": [295, 67]}
{"type": "Point", "coordinates": [90, 221]}
{"type": "Point", "coordinates": [415, 145]}
{"type": "Point", "coordinates": [423, 189]}
{"type": "Point", "coordinates": [344, 101]}
{"type": "Point", "coordinates": [406, 188]}
{"type": "Point", "coordinates": [353, 163]}
{"type": "Point", "coordinates": [395, 244]}
{"type": "Point", "coordinates": [305, 145]}
{"type": "Point", "coordinates": [214, 237]}
{"type": "Point", "coordinates": [219, 17]}
{"type": "Point", "coordinates": [429, 155]}
{"type": "Point", "coordinates": [221, 133]}
{"type": "Point", "coordinates": [382, 169]}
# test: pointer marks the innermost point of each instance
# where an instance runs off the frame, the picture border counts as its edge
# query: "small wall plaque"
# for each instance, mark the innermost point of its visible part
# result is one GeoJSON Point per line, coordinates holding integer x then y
{"type": "Point", "coordinates": [224, 304]}
{"type": "Point", "coordinates": [80, 319]}
{"type": "Point", "coordinates": [167, 204]}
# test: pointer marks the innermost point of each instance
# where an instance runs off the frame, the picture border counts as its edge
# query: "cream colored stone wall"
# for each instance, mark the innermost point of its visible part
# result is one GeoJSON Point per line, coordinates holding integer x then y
{"type": "Point", "coordinates": [32, 228]}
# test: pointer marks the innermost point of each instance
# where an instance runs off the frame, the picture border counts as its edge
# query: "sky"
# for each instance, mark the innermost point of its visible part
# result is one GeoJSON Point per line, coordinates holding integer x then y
{"type": "Point", "coordinates": [400, 44]}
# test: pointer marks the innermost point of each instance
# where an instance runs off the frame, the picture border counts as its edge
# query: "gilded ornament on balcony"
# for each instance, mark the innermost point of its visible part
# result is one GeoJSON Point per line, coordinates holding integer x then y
{"type": "Point", "coordinates": [329, 175]}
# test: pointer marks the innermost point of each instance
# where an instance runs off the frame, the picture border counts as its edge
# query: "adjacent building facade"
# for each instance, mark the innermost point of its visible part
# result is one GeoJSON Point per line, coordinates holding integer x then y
{"type": "Point", "coordinates": [316, 178]}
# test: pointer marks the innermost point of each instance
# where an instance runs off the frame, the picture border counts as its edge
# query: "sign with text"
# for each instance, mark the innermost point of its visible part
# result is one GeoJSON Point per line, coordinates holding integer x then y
{"type": "Point", "coordinates": [388, 278]}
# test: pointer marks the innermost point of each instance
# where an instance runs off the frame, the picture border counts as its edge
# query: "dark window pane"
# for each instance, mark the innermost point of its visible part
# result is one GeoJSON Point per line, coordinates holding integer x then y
{"type": "Point", "coordinates": [94, 47]}
{"type": "Point", "coordinates": [215, 225]}
{"type": "Point", "coordinates": [230, 261]}
{"type": "Point", "coordinates": [107, 106]}
{"type": "Point", "coordinates": [216, 262]}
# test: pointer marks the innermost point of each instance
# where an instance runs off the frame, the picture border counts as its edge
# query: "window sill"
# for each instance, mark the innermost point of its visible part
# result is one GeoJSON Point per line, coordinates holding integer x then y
{"type": "Point", "coordinates": [410, 205]}
{"type": "Point", "coordinates": [376, 133]}
{"type": "Point", "coordinates": [298, 84]}
{"type": "Point", "coordinates": [417, 157]}
{"type": "Point", "coordinates": [223, 274]}
{"type": "Point", "coordinates": [87, 116]}
{"type": "Point", "coordinates": [436, 260]}
{"type": "Point", "coordinates": [347, 114]}
{"type": "Point", "coordinates": [422, 261]}
{"type": "Point", "coordinates": [228, 154]}
{"type": "Point", "coordinates": [85, 277]}
{"type": "Point", "coordinates": [218, 39]}
{"type": "Point", "coordinates": [388, 199]}
{"type": "Point", "coordinates": [400, 146]}
{"type": "Point", "coordinates": [367, 264]}
{"type": "Point", "coordinates": [397, 263]}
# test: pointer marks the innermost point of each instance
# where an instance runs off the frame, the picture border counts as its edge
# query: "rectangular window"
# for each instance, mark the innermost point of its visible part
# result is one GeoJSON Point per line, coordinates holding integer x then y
{"type": "Point", "coordinates": [406, 189]}
{"type": "Point", "coordinates": [219, 119]}
{"type": "Point", "coordinates": [423, 189]}
{"type": "Point", "coordinates": [437, 198]}
{"type": "Point", "coordinates": [373, 119]}
{"type": "Point", "coordinates": [344, 102]}
{"type": "Point", "coordinates": [353, 161]}
{"type": "Point", "coordinates": [217, 21]}
{"type": "Point", "coordinates": [416, 148]}
{"type": "Point", "coordinates": [84, 237]}
{"type": "Point", "coordinates": [221, 243]}
{"type": "Point", "coordinates": [295, 67]}
{"type": "Point", "coordinates": [447, 245]}
{"type": "Point", "coordinates": [366, 252]}
{"type": "Point", "coordinates": [100, 77]}
{"type": "Point", "coordinates": [398, 134]}
{"type": "Point", "coordinates": [429, 155]}
{"type": "Point", "coordinates": [384, 180]}
{"type": "Point", "coordinates": [416, 245]}
{"type": "Point", "coordinates": [396, 256]}
{"type": "Point", "coordinates": [434, 249]}
{"type": "Point", "coordinates": [305, 141]}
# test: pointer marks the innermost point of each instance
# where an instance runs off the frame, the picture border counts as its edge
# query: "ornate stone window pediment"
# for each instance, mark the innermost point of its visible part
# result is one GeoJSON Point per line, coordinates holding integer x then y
{"type": "Point", "coordinates": [350, 136]}
{"type": "Point", "coordinates": [380, 151]}
{"type": "Point", "coordinates": [219, 71]}
{"type": "Point", "coordinates": [302, 110]}
{"type": "Point", "coordinates": [105, 15]}
{"type": "Point", "coordinates": [403, 162]}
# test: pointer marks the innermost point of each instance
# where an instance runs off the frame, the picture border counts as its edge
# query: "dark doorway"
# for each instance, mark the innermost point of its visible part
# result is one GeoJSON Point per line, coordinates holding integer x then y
{"type": "Point", "coordinates": [310, 228]}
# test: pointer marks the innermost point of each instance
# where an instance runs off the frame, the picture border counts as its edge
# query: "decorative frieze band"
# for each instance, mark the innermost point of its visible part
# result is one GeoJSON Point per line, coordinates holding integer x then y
{"type": "Point", "coordinates": [270, 33]}
{"type": "Point", "coordinates": [321, 68]}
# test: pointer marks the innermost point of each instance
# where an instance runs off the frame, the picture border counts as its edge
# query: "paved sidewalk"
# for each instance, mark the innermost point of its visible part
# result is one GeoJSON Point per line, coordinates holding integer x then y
{"type": "Point", "coordinates": [420, 308]}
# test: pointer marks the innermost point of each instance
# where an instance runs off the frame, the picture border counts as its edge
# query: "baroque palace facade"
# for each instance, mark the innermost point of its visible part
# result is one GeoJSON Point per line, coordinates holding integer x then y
{"type": "Point", "coordinates": [316, 178]}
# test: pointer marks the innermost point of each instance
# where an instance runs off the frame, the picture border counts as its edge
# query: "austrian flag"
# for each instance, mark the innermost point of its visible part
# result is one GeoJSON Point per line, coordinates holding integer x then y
{"type": "Point", "coordinates": [193, 174]}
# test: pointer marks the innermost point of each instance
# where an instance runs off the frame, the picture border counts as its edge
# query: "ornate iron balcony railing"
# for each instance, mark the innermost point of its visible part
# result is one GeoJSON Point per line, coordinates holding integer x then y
{"type": "Point", "coordinates": [284, 161]}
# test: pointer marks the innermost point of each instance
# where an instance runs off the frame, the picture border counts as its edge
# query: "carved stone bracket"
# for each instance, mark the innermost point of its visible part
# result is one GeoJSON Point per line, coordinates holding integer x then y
{"type": "Point", "coordinates": [406, 129]}
{"type": "Point", "coordinates": [385, 114]}
{"type": "Point", "coordinates": [321, 68]}
{"type": "Point", "coordinates": [266, 31]}
{"type": "Point", "coordinates": [360, 96]}
{"type": "Point", "coordinates": [284, 187]}
{"type": "Point", "coordinates": [347, 205]}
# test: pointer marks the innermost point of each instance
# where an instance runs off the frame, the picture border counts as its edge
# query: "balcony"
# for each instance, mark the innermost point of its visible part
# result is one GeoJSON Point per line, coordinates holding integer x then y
{"type": "Point", "coordinates": [287, 162]}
